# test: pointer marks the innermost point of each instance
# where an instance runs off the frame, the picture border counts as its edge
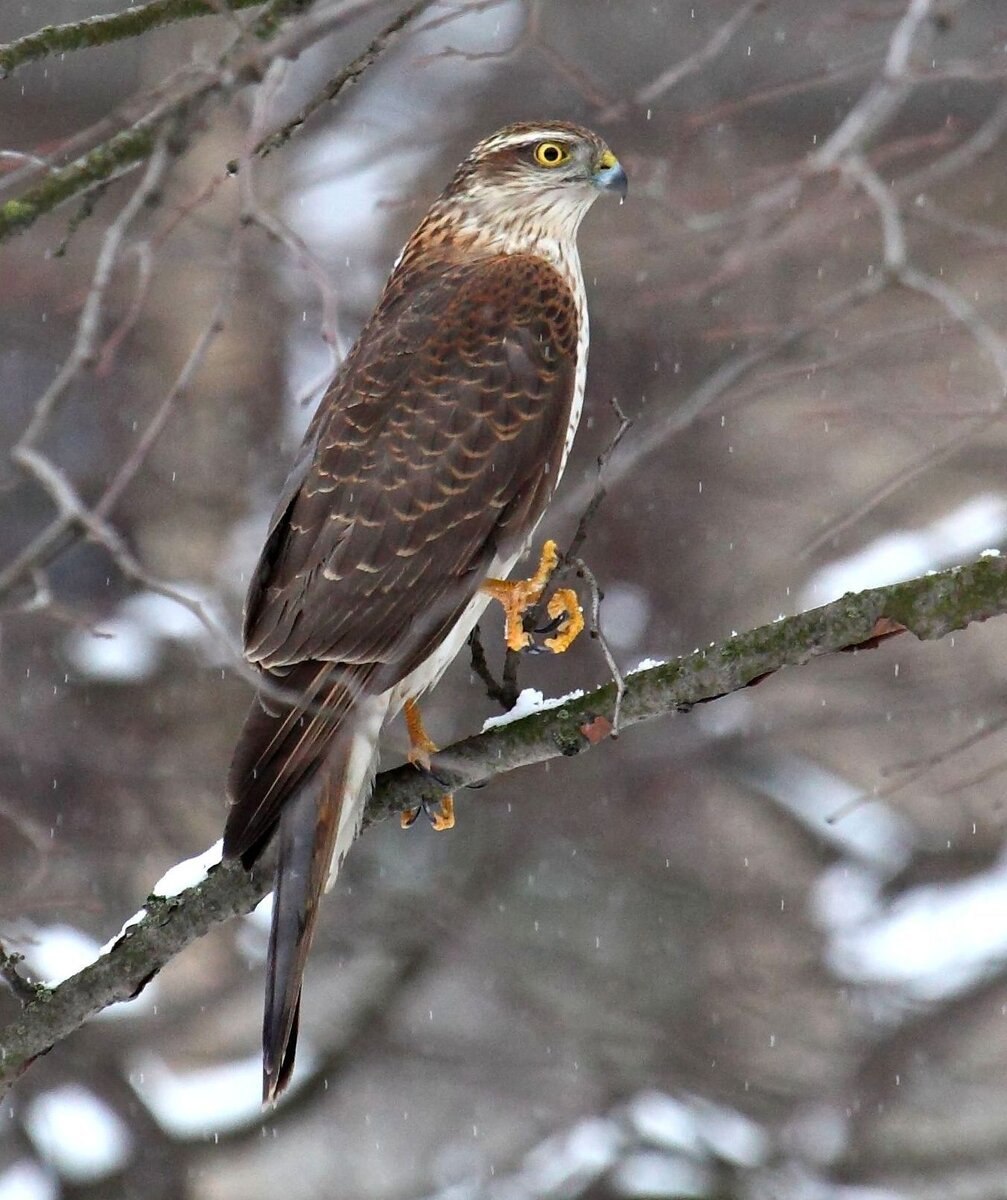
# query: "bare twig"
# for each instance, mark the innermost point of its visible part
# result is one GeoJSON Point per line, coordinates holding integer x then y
{"type": "Point", "coordinates": [961, 310]}
{"type": "Point", "coordinates": [886, 96]}
{"type": "Point", "coordinates": [601, 484]}
{"type": "Point", "coordinates": [690, 65]}
{"type": "Point", "coordinates": [649, 437]}
{"type": "Point", "coordinates": [497, 691]}
{"type": "Point", "coordinates": [73, 511]}
{"type": "Point", "coordinates": [253, 213]}
{"type": "Point", "coordinates": [183, 382]}
{"type": "Point", "coordinates": [84, 351]}
{"type": "Point", "coordinates": [348, 76]}
{"type": "Point", "coordinates": [585, 572]}
{"type": "Point", "coordinates": [22, 989]}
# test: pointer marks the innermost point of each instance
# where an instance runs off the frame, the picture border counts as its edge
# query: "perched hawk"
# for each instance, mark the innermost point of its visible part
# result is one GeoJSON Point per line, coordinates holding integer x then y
{"type": "Point", "coordinates": [422, 477]}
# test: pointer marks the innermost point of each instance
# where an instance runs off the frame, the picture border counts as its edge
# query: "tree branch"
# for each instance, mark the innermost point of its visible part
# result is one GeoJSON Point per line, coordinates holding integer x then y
{"type": "Point", "coordinates": [929, 607]}
{"type": "Point", "coordinates": [106, 28]}
{"type": "Point", "coordinates": [129, 147]}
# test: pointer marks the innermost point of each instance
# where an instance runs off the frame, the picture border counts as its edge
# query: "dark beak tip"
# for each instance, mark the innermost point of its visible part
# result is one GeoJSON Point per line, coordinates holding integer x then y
{"type": "Point", "coordinates": [613, 179]}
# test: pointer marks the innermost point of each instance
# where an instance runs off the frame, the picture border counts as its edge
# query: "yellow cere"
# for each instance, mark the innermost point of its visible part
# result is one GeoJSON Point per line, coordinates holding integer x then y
{"type": "Point", "coordinates": [608, 159]}
{"type": "Point", "coordinates": [550, 154]}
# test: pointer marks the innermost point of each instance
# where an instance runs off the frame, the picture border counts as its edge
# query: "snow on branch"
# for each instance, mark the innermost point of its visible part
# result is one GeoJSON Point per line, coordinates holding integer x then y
{"type": "Point", "coordinates": [929, 607]}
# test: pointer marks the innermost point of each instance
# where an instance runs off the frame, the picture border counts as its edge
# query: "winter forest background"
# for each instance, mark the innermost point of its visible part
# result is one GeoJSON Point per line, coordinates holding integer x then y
{"type": "Point", "coordinates": [756, 951]}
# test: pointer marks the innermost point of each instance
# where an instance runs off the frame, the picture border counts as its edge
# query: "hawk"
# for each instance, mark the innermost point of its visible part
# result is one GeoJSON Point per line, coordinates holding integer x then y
{"type": "Point", "coordinates": [420, 482]}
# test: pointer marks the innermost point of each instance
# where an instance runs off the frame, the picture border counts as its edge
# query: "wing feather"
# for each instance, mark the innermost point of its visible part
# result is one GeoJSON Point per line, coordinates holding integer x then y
{"type": "Point", "coordinates": [434, 449]}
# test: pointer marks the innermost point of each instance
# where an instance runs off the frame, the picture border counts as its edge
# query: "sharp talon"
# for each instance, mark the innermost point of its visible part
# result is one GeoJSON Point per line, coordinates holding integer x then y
{"type": "Point", "coordinates": [443, 817]}
{"type": "Point", "coordinates": [552, 625]}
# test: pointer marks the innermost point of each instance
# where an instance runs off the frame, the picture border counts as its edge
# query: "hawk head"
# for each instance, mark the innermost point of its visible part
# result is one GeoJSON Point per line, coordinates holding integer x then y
{"type": "Point", "coordinates": [528, 184]}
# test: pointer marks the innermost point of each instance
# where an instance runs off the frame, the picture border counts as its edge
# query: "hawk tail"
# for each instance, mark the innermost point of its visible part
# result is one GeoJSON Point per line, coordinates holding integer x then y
{"type": "Point", "coordinates": [300, 769]}
{"type": "Point", "coordinates": [307, 836]}
{"type": "Point", "coordinates": [281, 746]}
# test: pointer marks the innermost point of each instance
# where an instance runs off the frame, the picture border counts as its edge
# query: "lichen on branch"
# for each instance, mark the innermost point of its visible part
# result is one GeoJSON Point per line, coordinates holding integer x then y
{"type": "Point", "coordinates": [108, 28]}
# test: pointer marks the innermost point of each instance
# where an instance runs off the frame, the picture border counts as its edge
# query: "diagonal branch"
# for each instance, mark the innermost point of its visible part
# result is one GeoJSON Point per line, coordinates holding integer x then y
{"type": "Point", "coordinates": [106, 28]}
{"type": "Point", "coordinates": [929, 607]}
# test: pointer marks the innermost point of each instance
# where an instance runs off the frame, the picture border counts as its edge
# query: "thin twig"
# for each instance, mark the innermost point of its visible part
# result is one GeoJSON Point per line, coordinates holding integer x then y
{"type": "Point", "coordinates": [601, 484]}
{"type": "Point", "coordinates": [75, 512]}
{"type": "Point", "coordinates": [961, 310]}
{"type": "Point", "coordinates": [253, 213]}
{"type": "Point", "coordinates": [690, 65]}
{"type": "Point", "coordinates": [21, 988]}
{"type": "Point", "coordinates": [585, 572]}
{"type": "Point", "coordinates": [183, 382]}
{"type": "Point", "coordinates": [480, 666]}
{"type": "Point", "coordinates": [649, 438]}
{"type": "Point", "coordinates": [84, 352]}
{"type": "Point", "coordinates": [348, 76]}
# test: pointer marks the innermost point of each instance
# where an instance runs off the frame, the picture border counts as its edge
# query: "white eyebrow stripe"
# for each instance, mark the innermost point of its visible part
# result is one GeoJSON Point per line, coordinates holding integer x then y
{"type": "Point", "coordinates": [527, 135]}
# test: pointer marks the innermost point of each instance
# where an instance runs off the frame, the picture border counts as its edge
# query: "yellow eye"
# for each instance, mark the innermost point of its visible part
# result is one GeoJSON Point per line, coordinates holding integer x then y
{"type": "Point", "coordinates": [550, 154]}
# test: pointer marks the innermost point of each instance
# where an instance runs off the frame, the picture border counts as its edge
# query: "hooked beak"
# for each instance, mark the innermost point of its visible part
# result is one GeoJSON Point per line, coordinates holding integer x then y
{"type": "Point", "coordinates": [610, 177]}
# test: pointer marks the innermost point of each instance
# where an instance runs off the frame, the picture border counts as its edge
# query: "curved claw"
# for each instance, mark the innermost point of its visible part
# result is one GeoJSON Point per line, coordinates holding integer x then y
{"type": "Point", "coordinates": [550, 627]}
{"type": "Point", "coordinates": [441, 816]}
{"type": "Point", "coordinates": [564, 606]}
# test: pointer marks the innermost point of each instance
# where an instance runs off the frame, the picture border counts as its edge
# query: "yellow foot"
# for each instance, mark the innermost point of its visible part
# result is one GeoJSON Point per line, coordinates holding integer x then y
{"type": "Point", "coordinates": [564, 603]}
{"type": "Point", "coordinates": [421, 747]}
{"type": "Point", "coordinates": [421, 744]}
{"type": "Point", "coordinates": [519, 595]}
{"type": "Point", "coordinates": [443, 817]}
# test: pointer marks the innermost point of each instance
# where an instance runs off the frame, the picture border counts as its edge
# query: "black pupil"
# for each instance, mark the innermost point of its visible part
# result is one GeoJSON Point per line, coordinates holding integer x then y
{"type": "Point", "coordinates": [550, 153]}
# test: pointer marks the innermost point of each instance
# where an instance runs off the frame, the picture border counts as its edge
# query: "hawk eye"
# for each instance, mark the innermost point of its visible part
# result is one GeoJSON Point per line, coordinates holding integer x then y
{"type": "Point", "coordinates": [550, 154]}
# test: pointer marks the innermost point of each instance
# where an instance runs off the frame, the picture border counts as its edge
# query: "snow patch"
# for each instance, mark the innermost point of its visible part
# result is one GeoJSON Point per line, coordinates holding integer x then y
{"type": "Point", "coordinates": [647, 664]}
{"type": "Point", "coordinates": [651, 1174]}
{"type": "Point", "coordinates": [26, 1180]}
{"type": "Point", "coordinates": [129, 645]}
{"type": "Point", "coordinates": [189, 872]}
{"type": "Point", "coordinates": [934, 940]}
{"type": "Point", "coordinates": [565, 1164]}
{"type": "Point", "coordinates": [59, 951]}
{"type": "Point", "coordinates": [909, 553]}
{"type": "Point", "coordinates": [213, 1099]}
{"type": "Point", "coordinates": [626, 614]}
{"type": "Point", "coordinates": [77, 1133]}
{"type": "Point", "coordinates": [530, 701]}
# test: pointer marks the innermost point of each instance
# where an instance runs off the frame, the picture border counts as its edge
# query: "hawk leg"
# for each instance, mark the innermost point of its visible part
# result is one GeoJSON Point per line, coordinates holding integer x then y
{"type": "Point", "coordinates": [518, 596]}
{"type": "Point", "coordinates": [421, 746]}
